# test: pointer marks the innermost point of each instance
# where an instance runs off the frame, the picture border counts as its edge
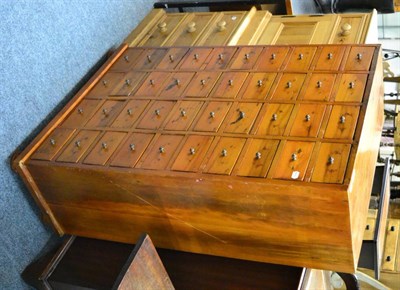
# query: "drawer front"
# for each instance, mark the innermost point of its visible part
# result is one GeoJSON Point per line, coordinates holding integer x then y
{"type": "Point", "coordinates": [342, 122]}
{"type": "Point", "coordinates": [359, 58]}
{"type": "Point", "coordinates": [81, 114]}
{"type": "Point", "coordinates": [152, 84]}
{"type": "Point", "coordinates": [300, 58]}
{"type": "Point", "coordinates": [172, 58]}
{"type": "Point", "coordinates": [293, 161]}
{"type": "Point", "coordinates": [106, 85]}
{"type": "Point", "coordinates": [246, 57]}
{"type": "Point", "coordinates": [163, 30]}
{"type": "Point", "coordinates": [175, 85]}
{"type": "Point", "coordinates": [201, 84]}
{"type": "Point", "coordinates": [78, 146]}
{"type": "Point", "coordinates": [225, 155]}
{"type": "Point", "coordinates": [192, 153]}
{"type": "Point", "coordinates": [271, 58]}
{"type": "Point", "coordinates": [127, 59]}
{"type": "Point", "coordinates": [308, 120]}
{"type": "Point", "coordinates": [228, 85]}
{"type": "Point", "coordinates": [351, 88]}
{"type": "Point", "coordinates": [158, 155]}
{"type": "Point", "coordinates": [183, 115]}
{"type": "Point", "coordinates": [212, 116]}
{"type": "Point", "coordinates": [190, 29]}
{"type": "Point", "coordinates": [130, 114]}
{"type": "Point", "coordinates": [331, 163]}
{"type": "Point", "coordinates": [131, 150]}
{"type": "Point", "coordinates": [330, 58]}
{"type": "Point", "coordinates": [274, 119]}
{"type": "Point", "coordinates": [156, 115]}
{"type": "Point", "coordinates": [220, 58]}
{"type": "Point", "coordinates": [53, 143]}
{"type": "Point", "coordinates": [257, 86]}
{"type": "Point", "coordinates": [257, 158]}
{"type": "Point", "coordinates": [128, 83]}
{"type": "Point", "coordinates": [242, 118]}
{"type": "Point", "coordinates": [350, 29]}
{"type": "Point", "coordinates": [195, 58]}
{"type": "Point", "coordinates": [288, 88]}
{"type": "Point", "coordinates": [150, 58]}
{"type": "Point", "coordinates": [220, 30]}
{"type": "Point", "coordinates": [104, 148]}
{"type": "Point", "coordinates": [106, 114]}
{"type": "Point", "coordinates": [319, 87]}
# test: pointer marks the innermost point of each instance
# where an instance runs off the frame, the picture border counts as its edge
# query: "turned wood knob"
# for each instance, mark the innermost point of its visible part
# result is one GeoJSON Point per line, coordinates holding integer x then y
{"type": "Point", "coordinates": [162, 27]}
{"type": "Point", "coordinates": [191, 27]}
{"type": "Point", "coordinates": [221, 25]}
{"type": "Point", "coordinates": [346, 29]}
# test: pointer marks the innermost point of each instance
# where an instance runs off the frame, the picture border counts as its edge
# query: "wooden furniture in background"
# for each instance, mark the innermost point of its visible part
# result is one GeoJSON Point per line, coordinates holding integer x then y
{"type": "Point", "coordinates": [258, 153]}
{"type": "Point", "coordinates": [82, 263]}
{"type": "Point", "coordinates": [252, 27]}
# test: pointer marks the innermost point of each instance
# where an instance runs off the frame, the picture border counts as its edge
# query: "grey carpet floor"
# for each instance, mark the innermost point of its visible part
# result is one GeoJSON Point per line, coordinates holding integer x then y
{"type": "Point", "coordinates": [46, 48]}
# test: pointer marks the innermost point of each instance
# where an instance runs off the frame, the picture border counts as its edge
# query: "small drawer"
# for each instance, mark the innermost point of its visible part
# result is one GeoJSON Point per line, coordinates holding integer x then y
{"type": "Point", "coordinates": [212, 116]}
{"type": "Point", "coordinates": [288, 87]}
{"type": "Point", "coordinates": [274, 119]}
{"type": "Point", "coordinates": [131, 150]}
{"type": "Point", "coordinates": [104, 148]}
{"type": "Point", "coordinates": [78, 146]}
{"type": "Point", "coordinates": [192, 153]}
{"type": "Point", "coordinates": [342, 122]}
{"type": "Point", "coordinates": [81, 114]}
{"type": "Point", "coordinates": [220, 57]}
{"type": "Point", "coordinates": [201, 84]}
{"type": "Point", "coordinates": [300, 58]}
{"type": "Point", "coordinates": [229, 85]}
{"type": "Point", "coordinates": [158, 155]}
{"type": "Point", "coordinates": [359, 58]}
{"type": "Point", "coordinates": [329, 58]}
{"type": "Point", "coordinates": [369, 232]}
{"type": "Point", "coordinates": [183, 115]}
{"type": "Point", "coordinates": [172, 58]}
{"type": "Point", "coordinates": [130, 114]}
{"type": "Point", "coordinates": [257, 158]}
{"type": "Point", "coordinates": [331, 163]}
{"type": "Point", "coordinates": [128, 83]}
{"type": "Point", "coordinates": [293, 161]}
{"type": "Point", "coordinates": [351, 88]}
{"type": "Point", "coordinates": [106, 114]}
{"type": "Point", "coordinates": [127, 59]}
{"type": "Point", "coordinates": [150, 58]}
{"type": "Point", "coordinates": [152, 84]}
{"type": "Point", "coordinates": [53, 143]}
{"type": "Point", "coordinates": [257, 86]}
{"type": "Point", "coordinates": [175, 85]}
{"type": "Point", "coordinates": [319, 87]}
{"type": "Point", "coordinates": [156, 115]}
{"type": "Point", "coordinates": [308, 120]}
{"type": "Point", "coordinates": [225, 155]}
{"type": "Point", "coordinates": [271, 58]}
{"type": "Point", "coordinates": [246, 57]}
{"type": "Point", "coordinates": [195, 58]}
{"type": "Point", "coordinates": [243, 118]}
{"type": "Point", "coordinates": [106, 85]}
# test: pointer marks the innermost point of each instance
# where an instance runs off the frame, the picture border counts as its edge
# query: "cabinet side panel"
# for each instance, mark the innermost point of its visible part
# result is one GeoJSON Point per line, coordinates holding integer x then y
{"type": "Point", "coordinates": [364, 165]}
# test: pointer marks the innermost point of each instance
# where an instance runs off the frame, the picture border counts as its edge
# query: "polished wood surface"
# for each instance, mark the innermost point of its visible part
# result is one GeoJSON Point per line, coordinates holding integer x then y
{"type": "Point", "coordinates": [214, 172]}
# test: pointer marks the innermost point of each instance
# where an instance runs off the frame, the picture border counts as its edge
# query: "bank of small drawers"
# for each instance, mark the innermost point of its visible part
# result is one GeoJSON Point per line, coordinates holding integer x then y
{"type": "Point", "coordinates": [280, 112]}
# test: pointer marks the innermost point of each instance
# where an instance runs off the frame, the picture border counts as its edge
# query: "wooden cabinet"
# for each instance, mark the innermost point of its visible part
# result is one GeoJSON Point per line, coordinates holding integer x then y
{"type": "Point", "coordinates": [252, 27]}
{"type": "Point", "coordinates": [259, 157]}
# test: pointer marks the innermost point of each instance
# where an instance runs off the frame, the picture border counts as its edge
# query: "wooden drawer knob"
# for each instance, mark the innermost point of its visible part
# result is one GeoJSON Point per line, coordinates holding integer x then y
{"type": "Point", "coordinates": [191, 27]}
{"type": "Point", "coordinates": [346, 29]}
{"type": "Point", "coordinates": [221, 25]}
{"type": "Point", "coordinates": [162, 27]}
